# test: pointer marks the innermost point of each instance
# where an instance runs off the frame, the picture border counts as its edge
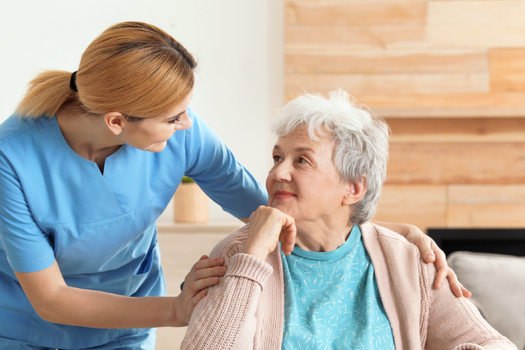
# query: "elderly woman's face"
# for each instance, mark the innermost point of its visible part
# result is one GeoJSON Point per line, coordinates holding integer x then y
{"type": "Point", "coordinates": [303, 181]}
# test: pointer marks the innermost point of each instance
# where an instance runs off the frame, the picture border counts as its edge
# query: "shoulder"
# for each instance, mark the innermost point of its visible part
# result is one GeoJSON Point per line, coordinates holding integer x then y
{"type": "Point", "coordinates": [15, 127]}
{"type": "Point", "coordinates": [231, 244]}
{"type": "Point", "coordinates": [391, 247]}
{"type": "Point", "coordinates": [386, 237]}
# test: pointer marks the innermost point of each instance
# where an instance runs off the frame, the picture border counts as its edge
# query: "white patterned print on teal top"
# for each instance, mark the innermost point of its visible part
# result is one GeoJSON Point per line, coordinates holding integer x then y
{"type": "Point", "coordinates": [332, 300]}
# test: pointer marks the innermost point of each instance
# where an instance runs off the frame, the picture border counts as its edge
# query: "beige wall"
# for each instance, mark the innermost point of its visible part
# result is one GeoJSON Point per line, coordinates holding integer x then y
{"type": "Point", "coordinates": [449, 78]}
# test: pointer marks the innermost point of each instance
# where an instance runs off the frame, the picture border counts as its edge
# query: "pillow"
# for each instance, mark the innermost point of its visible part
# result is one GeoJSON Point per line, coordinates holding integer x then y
{"type": "Point", "coordinates": [497, 283]}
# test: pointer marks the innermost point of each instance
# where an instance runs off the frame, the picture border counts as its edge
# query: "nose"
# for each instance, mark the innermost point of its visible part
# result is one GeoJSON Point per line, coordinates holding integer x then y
{"type": "Point", "coordinates": [184, 122]}
{"type": "Point", "coordinates": [283, 172]}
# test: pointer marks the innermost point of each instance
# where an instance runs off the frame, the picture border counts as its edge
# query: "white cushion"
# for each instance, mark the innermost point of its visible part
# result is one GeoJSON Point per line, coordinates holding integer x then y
{"type": "Point", "coordinates": [497, 283]}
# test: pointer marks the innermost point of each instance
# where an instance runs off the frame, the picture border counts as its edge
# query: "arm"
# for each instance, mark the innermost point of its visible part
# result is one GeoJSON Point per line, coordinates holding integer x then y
{"type": "Point", "coordinates": [225, 318]}
{"type": "Point", "coordinates": [214, 168]}
{"type": "Point", "coordinates": [55, 302]}
{"type": "Point", "coordinates": [430, 253]}
{"type": "Point", "coordinates": [455, 323]}
{"type": "Point", "coordinates": [31, 256]}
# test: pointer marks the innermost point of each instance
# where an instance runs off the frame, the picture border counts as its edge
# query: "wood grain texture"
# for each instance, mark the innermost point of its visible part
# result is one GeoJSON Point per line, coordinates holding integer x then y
{"type": "Point", "coordinates": [507, 69]}
{"type": "Point", "coordinates": [456, 130]}
{"type": "Point", "coordinates": [457, 163]}
{"type": "Point", "coordinates": [313, 61]}
{"type": "Point", "coordinates": [486, 206]}
{"type": "Point", "coordinates": [476, 24]}
{"type": "Point", "coordinates": [474, 105]}
{"type": "Point", "coordinates": [420, 205]}
{"type": "Point", "coordinates": [354, 36]}
{"type": "Point", "coordinates": [356, 13]}
{"type": "Point", "coordinates": [388, 84]}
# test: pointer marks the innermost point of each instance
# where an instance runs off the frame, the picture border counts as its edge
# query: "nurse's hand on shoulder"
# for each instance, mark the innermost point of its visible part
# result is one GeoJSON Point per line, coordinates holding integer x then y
{"type": "Point", "coordinates": [205, 273]}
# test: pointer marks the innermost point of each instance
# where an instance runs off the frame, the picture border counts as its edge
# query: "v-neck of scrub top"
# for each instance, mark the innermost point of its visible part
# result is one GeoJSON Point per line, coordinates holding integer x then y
{"type": "Point", "coordinates": [108, 170]}
{"type": "Point", "coordinates": [125, 171]}
{"type": "Point", "coordinates": [90, 162]}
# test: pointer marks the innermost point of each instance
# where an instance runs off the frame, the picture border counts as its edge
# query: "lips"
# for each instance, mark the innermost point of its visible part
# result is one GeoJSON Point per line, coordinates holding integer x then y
{"type": "Point", "coordinates": [284, 195]}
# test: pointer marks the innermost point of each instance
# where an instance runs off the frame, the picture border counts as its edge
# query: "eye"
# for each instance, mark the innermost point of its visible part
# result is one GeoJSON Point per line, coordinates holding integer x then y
{"type": "Point", "coordinates": [302, 161]}
{"type": "Point", "coordinates": [174, 120]}
{"type": "Point", "coordinates": [276, 158]}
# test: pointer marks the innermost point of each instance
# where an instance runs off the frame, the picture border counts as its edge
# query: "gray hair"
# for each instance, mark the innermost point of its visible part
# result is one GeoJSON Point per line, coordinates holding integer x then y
{"type": "Point", "coordinates": [361, 141]}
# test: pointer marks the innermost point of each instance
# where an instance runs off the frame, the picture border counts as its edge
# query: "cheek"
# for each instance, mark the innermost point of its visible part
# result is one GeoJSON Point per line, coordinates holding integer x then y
{"type": "Point", "coordinates": [269, 180]}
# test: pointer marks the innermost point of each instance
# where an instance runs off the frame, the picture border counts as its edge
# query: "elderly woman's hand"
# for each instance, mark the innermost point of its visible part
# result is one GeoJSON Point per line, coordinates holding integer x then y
{"type": "Point", "coordinates": [431, 253]}
{"type": "Point", "coordinates": [268, 226]}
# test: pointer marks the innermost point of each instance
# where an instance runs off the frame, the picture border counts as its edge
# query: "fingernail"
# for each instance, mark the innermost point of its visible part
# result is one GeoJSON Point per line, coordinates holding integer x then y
{"type": "Point", "coordinates": [430, 256]}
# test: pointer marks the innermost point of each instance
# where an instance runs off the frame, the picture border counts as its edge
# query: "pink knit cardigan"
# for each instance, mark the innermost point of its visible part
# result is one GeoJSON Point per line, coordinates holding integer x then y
{"type": "Point", "coordinates": [246, 309]}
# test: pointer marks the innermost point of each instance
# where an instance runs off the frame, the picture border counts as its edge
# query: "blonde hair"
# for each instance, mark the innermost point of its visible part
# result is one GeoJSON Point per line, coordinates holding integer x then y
{"type": "Point", "coordinates": [132, 67]}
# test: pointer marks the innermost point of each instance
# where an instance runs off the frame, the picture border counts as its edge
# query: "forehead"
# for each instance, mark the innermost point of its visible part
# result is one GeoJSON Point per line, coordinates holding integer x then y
{"type": "Point", "coordinates": [299, 138]}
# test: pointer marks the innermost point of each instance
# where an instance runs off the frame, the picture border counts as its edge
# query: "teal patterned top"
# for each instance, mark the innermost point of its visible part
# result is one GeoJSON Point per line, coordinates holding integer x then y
{"type": "Point", "coordinates": [332, 300]}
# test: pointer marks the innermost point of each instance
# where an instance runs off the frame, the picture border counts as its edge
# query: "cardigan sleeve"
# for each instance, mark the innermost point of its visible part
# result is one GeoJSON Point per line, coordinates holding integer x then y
{"type": "Point", "coordinates": [455, 323]}
{"type": "Point", "coordinates": [225, 318]}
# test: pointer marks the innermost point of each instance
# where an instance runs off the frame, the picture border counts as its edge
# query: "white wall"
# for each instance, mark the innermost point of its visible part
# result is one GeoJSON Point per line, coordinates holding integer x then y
{"type": "Point", "coordinates": [238, 45]}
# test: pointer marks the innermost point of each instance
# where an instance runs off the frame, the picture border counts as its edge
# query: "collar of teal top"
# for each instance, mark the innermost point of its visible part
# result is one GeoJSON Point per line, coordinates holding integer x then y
{"type": "Point", "coordinates": [354, 236]}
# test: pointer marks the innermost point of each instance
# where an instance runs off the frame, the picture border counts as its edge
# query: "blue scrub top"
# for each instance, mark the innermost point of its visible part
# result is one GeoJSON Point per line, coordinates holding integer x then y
{"type": "Point", "coordinates": [100, 228]}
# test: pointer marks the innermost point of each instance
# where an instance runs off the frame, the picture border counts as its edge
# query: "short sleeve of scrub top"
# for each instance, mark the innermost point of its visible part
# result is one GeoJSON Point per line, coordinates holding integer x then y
{"type": "Point", "coordinates": [100, 228]}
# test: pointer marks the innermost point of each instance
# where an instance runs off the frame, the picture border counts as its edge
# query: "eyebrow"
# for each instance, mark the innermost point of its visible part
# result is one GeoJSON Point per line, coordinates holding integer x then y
{"type": "Point", "coordinates": [299, 150]}
{"type": "Point", "coordinates": [181, 113]}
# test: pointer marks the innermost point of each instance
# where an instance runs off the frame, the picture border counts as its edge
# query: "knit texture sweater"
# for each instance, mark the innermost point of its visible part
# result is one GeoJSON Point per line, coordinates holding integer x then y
{"type": "Point", "coordinates": [246, 309]}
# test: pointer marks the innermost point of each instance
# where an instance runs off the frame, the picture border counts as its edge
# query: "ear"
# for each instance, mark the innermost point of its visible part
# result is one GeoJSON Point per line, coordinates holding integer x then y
{"type": "Point", "coordinates": [115, 121]}
{"type": "Point", "coordinates": [354, 191]}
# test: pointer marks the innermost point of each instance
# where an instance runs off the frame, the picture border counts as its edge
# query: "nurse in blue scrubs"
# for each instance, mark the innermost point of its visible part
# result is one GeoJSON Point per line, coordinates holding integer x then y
{"type": "Point", "coordinates": [87, 165]}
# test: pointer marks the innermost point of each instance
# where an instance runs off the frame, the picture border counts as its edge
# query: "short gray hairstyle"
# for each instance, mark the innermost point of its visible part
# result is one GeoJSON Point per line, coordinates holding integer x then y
{"type": "Point", "coordinates": [361, 141]}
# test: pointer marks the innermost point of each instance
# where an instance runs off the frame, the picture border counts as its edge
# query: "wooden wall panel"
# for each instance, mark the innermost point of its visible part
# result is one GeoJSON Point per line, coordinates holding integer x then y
{"type": "Point", "coordinates": [456, 130]}
{"type": "Point", "coordinates": [457, 163]}
{"type": "Point", "coordinates": [476, 23]}
{"type": "Point", "coordinates": [388, 83]}
{"type": "Point", "coordinates": [356, 13]}
{"type": "Point", "coordinates": [507, 69]}
{"type": "Point", "coordinates": [355, 37]}
{"type": "Point", "coordinates": [419, 105]}
{"type": "Point", "coordinates": [449, 77]}
{"type": "Point", "coordinates": [486, 206]}
{"type": "Point", "coordinates": [423, 206]}
{"type": "Point", "coordinates": [312, 61]}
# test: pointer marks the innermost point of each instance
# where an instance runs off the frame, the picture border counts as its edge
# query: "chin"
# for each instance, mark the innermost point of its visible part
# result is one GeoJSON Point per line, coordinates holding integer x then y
{"type": "Point", "coordinates": [283, 207]}
{"type": "Point", "coordinates": [156, 147]}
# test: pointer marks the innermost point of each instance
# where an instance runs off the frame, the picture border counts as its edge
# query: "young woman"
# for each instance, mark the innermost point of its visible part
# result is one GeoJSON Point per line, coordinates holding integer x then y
{"type": "Point", "coordinates": [87, 164]}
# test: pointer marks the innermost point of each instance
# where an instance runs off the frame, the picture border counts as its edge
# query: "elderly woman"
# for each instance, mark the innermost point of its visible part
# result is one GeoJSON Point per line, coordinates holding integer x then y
{"type": "Point", "coordinates": [338, 281]}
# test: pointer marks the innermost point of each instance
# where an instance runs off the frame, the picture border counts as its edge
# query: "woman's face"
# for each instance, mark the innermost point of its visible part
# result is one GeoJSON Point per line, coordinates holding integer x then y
{"type": "Point", "coordinates": [152, 134]}
{"type": "Point", "coordinates": [304, 182]}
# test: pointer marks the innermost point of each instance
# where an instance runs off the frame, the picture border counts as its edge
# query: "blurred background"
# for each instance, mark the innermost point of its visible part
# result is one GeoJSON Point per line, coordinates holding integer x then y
{"type": "Point", "coordinates": [448, 76]}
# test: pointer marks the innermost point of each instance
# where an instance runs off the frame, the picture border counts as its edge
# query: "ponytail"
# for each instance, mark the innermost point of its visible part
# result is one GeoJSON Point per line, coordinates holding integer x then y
{"type": "Point", "coordinates": [132, 67]}
{"type": "Point", "coordinates": [46, 94]}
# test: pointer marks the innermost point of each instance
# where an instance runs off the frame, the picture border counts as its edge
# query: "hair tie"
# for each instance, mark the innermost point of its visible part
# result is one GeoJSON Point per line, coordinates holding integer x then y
{"type": "Point", "coordinates": [72, 82]}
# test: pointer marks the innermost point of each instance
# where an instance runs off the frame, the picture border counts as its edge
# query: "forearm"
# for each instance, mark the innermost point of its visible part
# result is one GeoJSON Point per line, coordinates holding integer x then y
{"type": "Point", "coordinates": [223, 318]}
{"type": "Point", "coordinates": [455, 323]}
{"type": "Point", "coordinates": [88, 308]}
{"type": "Point", "coordinates": [56, 302]}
